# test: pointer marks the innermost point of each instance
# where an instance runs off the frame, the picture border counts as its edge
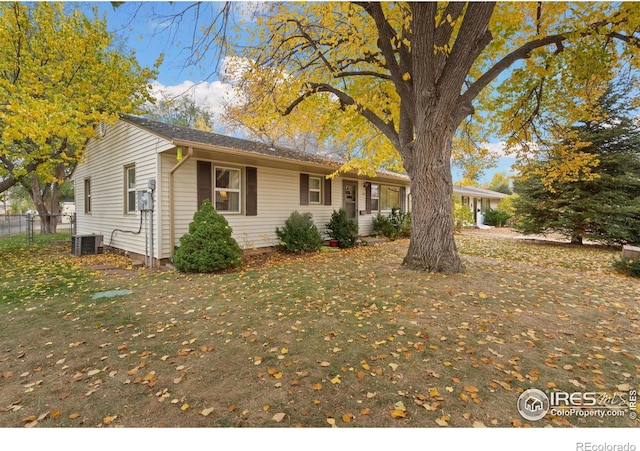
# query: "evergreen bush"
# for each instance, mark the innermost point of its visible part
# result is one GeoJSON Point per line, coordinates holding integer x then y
{"type": "Point", "coordinates": [343, 229]}
{"type": "Point", "coordinates": [299, 234]}
{"type": "Point", "coordinates": [209, 245]}
{"type": "Point", "coordinates": [627, 266]}
{"type": "Point", "coordinates": [397, 224]}
{"type": "Point", "coordinates": [497, 218]}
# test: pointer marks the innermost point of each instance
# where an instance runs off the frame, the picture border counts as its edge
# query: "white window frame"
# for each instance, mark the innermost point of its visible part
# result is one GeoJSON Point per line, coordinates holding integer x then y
{"type": "Point", "coordinates": [376, 197]}
{"type": "Point", "coordinates": [315, 190]}
{"type": "Point", "coordinates": [217, 189]}
{"type": "Point", "coordinates": [391, 187]}
{"type": "Point", "coordinates": [128, 208]}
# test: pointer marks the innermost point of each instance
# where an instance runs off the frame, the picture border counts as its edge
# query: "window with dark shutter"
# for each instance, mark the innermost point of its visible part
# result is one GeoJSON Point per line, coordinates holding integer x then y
{"type": "Point", "coordinates": [327, 191]}
{"type": "Point", "coordinates": [367, 200]}
{"type": "Point", "coordinates": [252, 191]}
{"type": "Point", "coordinates": [203, 181]}
{"type": "Point", "coordinates": [304, 189]}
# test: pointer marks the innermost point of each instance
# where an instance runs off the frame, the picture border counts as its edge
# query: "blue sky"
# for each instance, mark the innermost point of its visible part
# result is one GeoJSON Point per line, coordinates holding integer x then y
{"type": "Point", "coordinates": [141, 27]}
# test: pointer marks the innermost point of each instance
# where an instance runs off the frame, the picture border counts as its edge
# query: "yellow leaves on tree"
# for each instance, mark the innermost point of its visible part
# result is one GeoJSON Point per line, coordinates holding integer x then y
{"type": "Point", "coordinates": [59, 78]}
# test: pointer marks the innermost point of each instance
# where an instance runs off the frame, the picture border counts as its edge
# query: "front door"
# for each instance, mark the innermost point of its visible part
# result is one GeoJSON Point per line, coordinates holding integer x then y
{"type": "Point", "coordinates": [350, 199]}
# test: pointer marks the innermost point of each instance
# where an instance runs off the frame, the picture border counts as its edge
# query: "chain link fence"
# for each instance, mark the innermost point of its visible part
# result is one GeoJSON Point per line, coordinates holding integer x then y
{"type": "Point", "coordinates": [35, 226]}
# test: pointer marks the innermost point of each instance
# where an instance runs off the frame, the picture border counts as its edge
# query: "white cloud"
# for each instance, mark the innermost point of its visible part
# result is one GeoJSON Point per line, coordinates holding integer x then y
{"type": "Point", "coordinates": [212, 95]}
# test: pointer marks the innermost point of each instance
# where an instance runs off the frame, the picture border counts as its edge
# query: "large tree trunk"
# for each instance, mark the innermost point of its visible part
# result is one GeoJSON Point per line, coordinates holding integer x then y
{"type": "Point", "coordinates": [432, 246]}
{"type": "Point", "coordinates": [49, 214]}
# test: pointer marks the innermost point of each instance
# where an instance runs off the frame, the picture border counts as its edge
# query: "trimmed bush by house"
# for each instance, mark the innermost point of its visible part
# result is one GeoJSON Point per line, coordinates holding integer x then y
{"type": "Point", "coordinates": [299, 234]}
{"type": "Point", "coordinates": [209, 246]}
{"type": "Point", "coordinates": [397, 224]}
{"type": "Point", "coordinates": [343, 229]}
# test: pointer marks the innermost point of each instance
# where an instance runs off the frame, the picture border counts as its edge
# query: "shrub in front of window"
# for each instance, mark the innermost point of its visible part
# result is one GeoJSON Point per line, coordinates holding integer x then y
{"type": "Point", "coordinates": [396, 225]}
{"type": "Point", "coordinates": [343, 229]}
{"type": "Point", "coordinates": [209, 246]}
{"type": "Point", "coordinates": [299, 234]}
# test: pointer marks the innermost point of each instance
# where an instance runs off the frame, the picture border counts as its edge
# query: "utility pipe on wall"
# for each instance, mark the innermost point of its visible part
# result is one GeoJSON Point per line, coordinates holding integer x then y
{"type": "Point", "coordinates": [172, 199]}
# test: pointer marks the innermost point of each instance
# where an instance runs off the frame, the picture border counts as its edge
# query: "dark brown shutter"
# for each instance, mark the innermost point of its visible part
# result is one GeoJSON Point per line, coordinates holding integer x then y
{"type": "Point", "coordinates": [367, 201]}
{"type": "Point", "coordinates": [203, 180]}
{"type": "Point", "coordinates": [327, 191]}
{"type": "Point", "coordinates": [304, 189]}
{"type": "Point", "coordinates": [403, 198]}
{"type": "Point", "coordinates": [252, 191]}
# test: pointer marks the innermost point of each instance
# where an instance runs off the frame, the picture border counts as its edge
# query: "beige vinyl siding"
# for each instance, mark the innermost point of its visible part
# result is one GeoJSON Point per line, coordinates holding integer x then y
{"type": "Point", "coordinates": [278, 197]}
{"type": "Point", "coordinates": [104, 163]}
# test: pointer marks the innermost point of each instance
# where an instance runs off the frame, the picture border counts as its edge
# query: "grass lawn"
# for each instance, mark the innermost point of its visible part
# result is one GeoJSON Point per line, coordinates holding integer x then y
{"type": "Point", "coordinates": [345, 339]}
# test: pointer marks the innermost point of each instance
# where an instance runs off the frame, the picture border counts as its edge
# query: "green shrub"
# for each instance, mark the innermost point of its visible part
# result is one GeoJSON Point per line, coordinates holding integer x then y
{"type": "Point", "coordinates": [497, 218]}
{"type": "Point", "coordinates": [397, 224]}
{"type": "Point", "coordinates": [627, 266]}
{"type": "Point", "coordinates": [382, 226]}
{"type": "Point", "coordinates": [462, 215]}
{"type": "Point", "coordinates": [299, 234]}
{"type": "Point", "coordinates": [208, 246]}
{"type": "Point", "coordinates": [343, 229]}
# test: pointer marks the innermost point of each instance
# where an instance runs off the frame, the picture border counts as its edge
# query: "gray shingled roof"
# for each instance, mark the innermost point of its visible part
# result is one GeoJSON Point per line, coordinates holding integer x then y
{"type": "Point", "coordinates": [177, 133]}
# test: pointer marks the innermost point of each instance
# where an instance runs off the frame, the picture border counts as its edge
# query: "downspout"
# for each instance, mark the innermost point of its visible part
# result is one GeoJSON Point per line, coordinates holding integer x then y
{"type": "Point", "coordinates": [172, 199]}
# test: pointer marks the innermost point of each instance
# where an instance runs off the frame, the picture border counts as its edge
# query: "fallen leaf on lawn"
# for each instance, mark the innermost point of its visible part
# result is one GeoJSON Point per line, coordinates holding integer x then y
{"type": "Point", "coordinates": [371, 394]}
{"type": "Point", "coordinates": [336, 379]}
{"type": "Point", "coordinates": [449, 389]}
{"type": "Point", "coordinates": [433, 392]}
{"type": "Point", "coordinates": [397, 413]}
{"type": "Point", "coordinates": [93, 373]}
{"type": "Point", "coordinates": [470, 389]}
{"type": "Point", "coordinates": [317, 386]}
{"type": "Point", "coordinates": [441, 422]}
{"type": "Point", "coordinates": [324, 363]}
{"type": "Point", "coordinates": [206, 412]}
{"type": "Point", "coordinates": [29, 419]}
{"type": "Point", "coordinates": [284, 351]}
{"type": "Point", "coordinates": [394, 366]}
{"type": "Point", "coordinates": [517, 423]}
{"type": "Point", "coordinates": [347, 417]}
{"type": "Point", "coordinates": [109, 420]}
{"type": "Point", "coordinates": [400, 405]}
{"type": "Point", "coordinates": [73, 416]}
{"type": "Point", "coordinates": [184, 407]}
{"type": "Point", "coordinates": [257, 360]}
{"type": "Point", "coordinates": [365, 411]}
{"type": "Point", "coordinates": [332, 422]}
{"type": "Point", "coordinates": [278, 417]}
{"type": "Point", "coordinates": [55, 414]}
{"type": "Point", "coordinates": [478, 424]}
{"type": "Point", "coordinates": [7, 374]}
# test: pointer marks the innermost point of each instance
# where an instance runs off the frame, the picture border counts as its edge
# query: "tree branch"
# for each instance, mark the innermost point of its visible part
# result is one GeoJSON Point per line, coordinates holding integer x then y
{"type": "Point", "coordinates": [387, 128]}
